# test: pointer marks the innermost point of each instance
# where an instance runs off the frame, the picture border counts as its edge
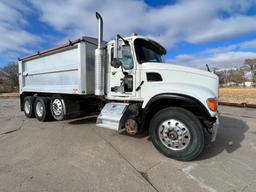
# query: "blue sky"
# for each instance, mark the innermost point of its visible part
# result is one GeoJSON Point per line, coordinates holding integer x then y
{"type": "Point", "coordinates": [221, 33]}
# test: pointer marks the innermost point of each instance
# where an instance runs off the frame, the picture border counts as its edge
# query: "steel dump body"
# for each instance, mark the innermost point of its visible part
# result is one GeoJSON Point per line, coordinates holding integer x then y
{"type": "Point", "coordinates": [68, 69]}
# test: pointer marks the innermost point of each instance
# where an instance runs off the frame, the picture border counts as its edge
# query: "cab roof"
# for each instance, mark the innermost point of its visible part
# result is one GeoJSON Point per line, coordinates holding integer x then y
{"type": "Point", "coordinates": [134, 37]}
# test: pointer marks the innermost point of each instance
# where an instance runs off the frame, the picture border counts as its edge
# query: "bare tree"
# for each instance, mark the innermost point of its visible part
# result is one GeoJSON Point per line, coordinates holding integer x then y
{"type": "Point", "coordinates": [221, 76]}
{"type": "Point", "coordinates": [237, 76]}
{"type": "Point", "coordinates": [10, 74]}
{"type": "Point", "coordinates": [227, 76]}
{"type": "Point", "coordinates": [251, 65]}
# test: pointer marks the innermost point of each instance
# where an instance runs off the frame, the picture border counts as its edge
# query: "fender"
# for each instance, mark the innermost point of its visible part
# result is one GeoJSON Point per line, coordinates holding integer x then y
{"type": "Point", "coordinates": [172, 96]}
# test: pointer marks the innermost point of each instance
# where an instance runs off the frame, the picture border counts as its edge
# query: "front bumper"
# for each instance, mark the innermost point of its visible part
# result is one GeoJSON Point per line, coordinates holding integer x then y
{"type": "Point", "coordinates": [215, 128]}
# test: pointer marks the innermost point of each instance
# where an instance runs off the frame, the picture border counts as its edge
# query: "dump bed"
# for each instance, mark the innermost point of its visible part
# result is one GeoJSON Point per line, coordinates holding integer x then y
{"type": "Point", "coordinates": [67, 69]}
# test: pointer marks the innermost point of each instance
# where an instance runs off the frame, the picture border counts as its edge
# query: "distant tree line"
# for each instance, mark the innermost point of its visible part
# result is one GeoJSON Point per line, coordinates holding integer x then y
{"type": "Point", "coordinates": [9, 78]}
{"type": "Point", "coordinates": [238, 76]}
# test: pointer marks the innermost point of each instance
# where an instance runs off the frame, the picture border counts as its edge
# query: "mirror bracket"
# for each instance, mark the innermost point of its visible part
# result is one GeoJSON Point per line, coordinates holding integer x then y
{"type": "Point", "coordinates": [116, 63]}
{"type": "Point", "coordinates": [118, 48]}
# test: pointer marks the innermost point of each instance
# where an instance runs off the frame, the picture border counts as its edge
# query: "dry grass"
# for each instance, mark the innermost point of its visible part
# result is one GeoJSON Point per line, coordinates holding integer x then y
{"type": "Point", "coordinates": [16, 94]}
{"type": "Point", "coordinates": [238, 95]}
{"type": "Point", "coordinates": [232, 95]}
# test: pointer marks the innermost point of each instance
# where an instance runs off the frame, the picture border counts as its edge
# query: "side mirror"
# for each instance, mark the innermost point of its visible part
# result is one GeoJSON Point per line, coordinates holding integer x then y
{"type": "Point", "coordinates": [116, 63]}
{"type": "Point", "coordinates": [118, 48]}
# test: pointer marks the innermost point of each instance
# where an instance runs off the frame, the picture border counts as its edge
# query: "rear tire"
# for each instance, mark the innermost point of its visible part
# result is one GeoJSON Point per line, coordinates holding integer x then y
{"type": "Point", "coordinates": [177, 133]}
{"type": "Point", "coordinates": [42, 110]}
{"type": "Point", "coordinates": [57, 107]}
{"type": "Point", "coordinates": [28, 106]}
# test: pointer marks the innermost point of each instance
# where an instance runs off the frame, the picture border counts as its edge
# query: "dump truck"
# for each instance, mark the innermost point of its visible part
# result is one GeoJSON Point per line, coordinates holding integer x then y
{"type": "Point", "coordinates": [127, 84]}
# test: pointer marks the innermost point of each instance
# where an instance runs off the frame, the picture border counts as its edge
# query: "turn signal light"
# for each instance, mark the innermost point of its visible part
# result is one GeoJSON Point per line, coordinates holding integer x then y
{"type": "Point", "coordinates": [212, 104]}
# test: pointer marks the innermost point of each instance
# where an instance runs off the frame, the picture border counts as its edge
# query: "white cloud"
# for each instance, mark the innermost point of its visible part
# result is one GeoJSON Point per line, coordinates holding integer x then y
{"type": "Point", "coordinates": [219, 60]}
{"type": "Point", "coordinates": [242, 46]}
{"type": "Point", "coordinates": [221, 57]}
{"type": "Point", "coordinates": [218, 29]}
{"type": "Point", "coordinates": [248, 44]}
{"type": "Point", "coordinates": [222, 49]}
{"type": "Point", "coordinates": [195, 21]}
{"type": "Point", "coordinates": [14, 37]}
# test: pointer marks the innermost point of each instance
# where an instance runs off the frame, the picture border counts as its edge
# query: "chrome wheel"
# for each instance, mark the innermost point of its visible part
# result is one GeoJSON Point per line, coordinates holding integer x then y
{"type": "Point", "coordinates": [39, 109]}
{"type": "Point", "coordinates": [174, 134]}
{"type": "Point", "coordinates": [27, 107]}
{"type": "Point", "coordinates": [57, 107]}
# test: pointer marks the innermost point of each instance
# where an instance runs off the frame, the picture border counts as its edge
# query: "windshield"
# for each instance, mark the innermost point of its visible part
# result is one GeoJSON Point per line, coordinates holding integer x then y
{"type": "Point", "coordinates": [147, 52]}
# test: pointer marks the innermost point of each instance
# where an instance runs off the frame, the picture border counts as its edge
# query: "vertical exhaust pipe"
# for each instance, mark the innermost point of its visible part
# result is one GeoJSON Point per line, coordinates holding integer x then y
{"type": "Point", "coordinates": [99, 59]}
{"type": "Point", "coordinates": [100, 30]}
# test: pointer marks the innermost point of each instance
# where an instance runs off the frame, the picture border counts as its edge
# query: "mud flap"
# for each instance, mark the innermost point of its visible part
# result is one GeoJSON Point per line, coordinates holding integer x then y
{"type": "Point", "coordinates": [112, 116]}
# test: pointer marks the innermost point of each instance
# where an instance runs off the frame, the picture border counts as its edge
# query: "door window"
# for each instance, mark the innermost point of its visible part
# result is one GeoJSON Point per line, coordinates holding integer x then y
{"type": "Point", "coordinates": [127, 60]}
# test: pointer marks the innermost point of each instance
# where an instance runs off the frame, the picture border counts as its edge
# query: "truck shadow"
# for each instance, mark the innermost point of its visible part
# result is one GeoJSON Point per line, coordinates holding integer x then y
{"type": "Point", "coordinates": [138, 135]}
{"type": "Point", "coordinates": [83, 120]}
{"type": "Point", "coordinates": [92, 120]}
{"type": "Point", "coordinates": [230, 135]}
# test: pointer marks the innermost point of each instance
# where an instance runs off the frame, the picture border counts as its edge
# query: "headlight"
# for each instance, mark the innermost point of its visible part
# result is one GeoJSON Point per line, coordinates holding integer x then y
{"type": "Point", "coordinates": [212, 104]}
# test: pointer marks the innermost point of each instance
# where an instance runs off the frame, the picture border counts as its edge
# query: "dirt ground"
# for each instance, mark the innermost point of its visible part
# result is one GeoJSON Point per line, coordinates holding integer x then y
{"type": "Point", "coordinates": [238, 95]}
{"type": "Point", "coordinates": [16, 94]}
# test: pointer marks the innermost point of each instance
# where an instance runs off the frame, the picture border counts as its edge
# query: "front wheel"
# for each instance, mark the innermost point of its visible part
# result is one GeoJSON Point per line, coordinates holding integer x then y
{"type": "Point", "coordinates": [177, 133]}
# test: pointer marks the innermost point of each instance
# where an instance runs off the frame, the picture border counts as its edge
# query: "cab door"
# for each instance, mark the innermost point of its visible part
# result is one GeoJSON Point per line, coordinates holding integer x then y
{"type": "Point", "coordinates": [122, 79]}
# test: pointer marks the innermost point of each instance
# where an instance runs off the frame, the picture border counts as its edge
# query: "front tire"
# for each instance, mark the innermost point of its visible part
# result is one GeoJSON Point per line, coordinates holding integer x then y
{"type": "Point", "coordinates": [177, 133]}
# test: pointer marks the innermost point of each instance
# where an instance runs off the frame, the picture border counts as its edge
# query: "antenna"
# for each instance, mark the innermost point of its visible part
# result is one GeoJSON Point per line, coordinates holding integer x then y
{"type": "Point", "coordinates": [207, 66]}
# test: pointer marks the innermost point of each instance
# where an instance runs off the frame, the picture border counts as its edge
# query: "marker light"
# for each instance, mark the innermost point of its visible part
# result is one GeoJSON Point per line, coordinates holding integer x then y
{"type": "Point", "coordinates": [212, 104]}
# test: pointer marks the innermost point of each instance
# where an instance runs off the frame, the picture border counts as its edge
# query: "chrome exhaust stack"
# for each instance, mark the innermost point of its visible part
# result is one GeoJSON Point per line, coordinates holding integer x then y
{"type": "Point", "coordinates": [99, 59]}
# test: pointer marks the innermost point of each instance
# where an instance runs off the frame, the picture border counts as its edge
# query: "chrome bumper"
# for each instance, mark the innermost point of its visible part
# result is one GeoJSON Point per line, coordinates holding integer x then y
{"type": "Point", "coordinates": [215, 128]}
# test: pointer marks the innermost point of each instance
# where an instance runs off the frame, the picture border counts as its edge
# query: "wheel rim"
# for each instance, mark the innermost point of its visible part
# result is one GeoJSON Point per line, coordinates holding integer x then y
{"type": "Point", "coordinates": [27, 107]}
{"type": "Point", "coordinates": [174, 134]}
{"type": "Point", "coordinates": [57, 107]}
{"type": "Point", "coordinates": [39, 109]}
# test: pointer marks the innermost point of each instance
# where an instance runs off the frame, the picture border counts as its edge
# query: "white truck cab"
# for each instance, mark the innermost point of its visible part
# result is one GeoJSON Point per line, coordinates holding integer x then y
{"type": "Point", "coordinates": [129, 86]}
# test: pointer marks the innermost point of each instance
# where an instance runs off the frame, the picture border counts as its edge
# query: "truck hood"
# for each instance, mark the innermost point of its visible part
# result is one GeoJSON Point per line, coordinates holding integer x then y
{"type": "Point", "coordinates": [178, 68]}
{"type": "Point", "coordinates": [179, 79]}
